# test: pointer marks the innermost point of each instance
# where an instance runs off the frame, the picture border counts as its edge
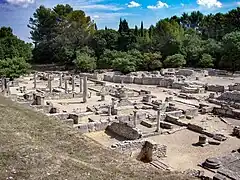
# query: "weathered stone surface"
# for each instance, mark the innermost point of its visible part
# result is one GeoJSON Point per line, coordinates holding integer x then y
{"type": "Point", "coordinates": [124, 130]}
{"type": "Point", "coordinates": [215, 88]}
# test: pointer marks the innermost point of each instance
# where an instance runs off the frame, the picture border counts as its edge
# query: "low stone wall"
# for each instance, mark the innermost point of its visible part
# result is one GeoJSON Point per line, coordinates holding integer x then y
{"type": "Point", "coordinates": [160, 81]}
{"type": "Point", "coordinates": [185, 72]}
{"type": "Point", "coordinates": [93, 126]}
{"type": "Point", "coordinates": [90, 76]}
{"type": "Point", "coordinates": [124, 130]}
{"type": "Point", "coordinates": [215, 88]}
{"type": "Point", "coordinates": [179, 85]}
{"type": "Point", "coordinates": [230, 96]}
{"type": "Point", "coordinates": [174, 120]}
{"type": "Point", "coordinates": [143, 147]}
{"type": "Point", "coordinates": [227, 111]}
{"type": "Point", "coordinates": [108, 78]}
{"type": "Point", "coordinates": [175, 113]}
{"type": "Point", "coordinates": [235, 87]}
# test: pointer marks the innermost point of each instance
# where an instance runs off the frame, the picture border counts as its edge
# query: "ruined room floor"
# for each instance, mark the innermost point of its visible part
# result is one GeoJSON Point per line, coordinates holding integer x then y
{"type": "Point", "coordinates": [181, 154]}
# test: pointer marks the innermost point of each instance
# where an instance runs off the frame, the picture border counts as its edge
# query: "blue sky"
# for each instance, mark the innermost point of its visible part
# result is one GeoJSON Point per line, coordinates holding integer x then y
{"type": "Point", "coordinates": [16, 13]}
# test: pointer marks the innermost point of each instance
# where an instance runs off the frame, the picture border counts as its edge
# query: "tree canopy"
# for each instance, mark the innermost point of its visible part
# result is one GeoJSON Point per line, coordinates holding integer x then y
{"type": "Point", "coordinates": [67, 36]}
{"type": "Point", "coordinates": [14, 54]}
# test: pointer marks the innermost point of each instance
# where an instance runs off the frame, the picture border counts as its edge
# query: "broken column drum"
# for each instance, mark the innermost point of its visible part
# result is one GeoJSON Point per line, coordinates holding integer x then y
{"type": "Point", "coordinates": [202, 140]}
{"type": "Point", "coordinates": [85, 89]}
{"type": "Point", "coordinates": [102, 97]}
{"type": "Point", "coordinates": [39, 100]}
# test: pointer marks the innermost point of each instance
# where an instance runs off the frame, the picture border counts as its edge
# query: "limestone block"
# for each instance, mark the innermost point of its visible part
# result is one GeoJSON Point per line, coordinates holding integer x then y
{"type": "Point", "coordinates": [91, 126]}
{"type": "Point", "coordinates": [83, 128]}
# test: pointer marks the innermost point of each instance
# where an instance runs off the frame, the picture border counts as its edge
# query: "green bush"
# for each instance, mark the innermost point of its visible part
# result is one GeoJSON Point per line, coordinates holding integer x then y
{"type": "Point", "coordinates": [206, 61]}
{"type": "Point", "coordinates": [13, 68]}
{"type": "Point", "coordinates": [84, 62]}
{"type": "Point", "coordinates": [175, 61]}
{"type": "Point", "coordinates": [125, 65]}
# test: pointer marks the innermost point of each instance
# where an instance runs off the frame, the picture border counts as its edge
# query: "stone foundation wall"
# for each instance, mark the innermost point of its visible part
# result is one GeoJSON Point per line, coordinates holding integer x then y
{"type": "Point", "coordinates": [142, 146]}
{"type": "Point", "coordinates": [227, 111]}
{"type": "Point", "coordinates": [185, 72]}
{"type": "Point", "coordinates": [124, 130]}
{"type": "Point", "coordinates": [215, 88]}
{"type": "Point", "coordinates": [160, 81]}
{"type": "Point", "coordinates": [93, 126]}
{"type": "Point", "coordinates": [235, 87]}
{"type": "Point", "coordinates": [230, 96]}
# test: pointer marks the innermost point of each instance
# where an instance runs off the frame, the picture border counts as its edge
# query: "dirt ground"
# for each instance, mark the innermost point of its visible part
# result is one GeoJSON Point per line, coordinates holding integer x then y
{"type": "Point", "coordinates": [33, 146]}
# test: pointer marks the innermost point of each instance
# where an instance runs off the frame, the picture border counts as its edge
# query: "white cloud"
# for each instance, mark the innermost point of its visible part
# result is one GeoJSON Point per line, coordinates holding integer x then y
{"type": "Point", "coordinates": [96, 16]}
{"type": "Point", "coordinates": [209, 3]}
{"type": "Point", "coordinates": [182, 4]}
{"type": "Point", "coordinates": [159, 5]}
{"type": "Point", "coordinates": [133, 4]}
{"type": "Point", "coordinates": [238, 3]}
{"type": "Point", "coordinates": [20, 2]}
{"type": "Point", "coordinates": [100, 7]}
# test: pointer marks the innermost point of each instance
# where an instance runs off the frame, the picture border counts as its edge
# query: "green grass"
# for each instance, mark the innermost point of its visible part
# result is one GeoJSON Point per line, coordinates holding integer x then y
{"type": "Point", "coordinates": [33, 146]}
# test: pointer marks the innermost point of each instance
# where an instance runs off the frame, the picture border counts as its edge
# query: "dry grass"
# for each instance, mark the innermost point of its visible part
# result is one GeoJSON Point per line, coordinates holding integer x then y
{"type": "Point", "coordinates": [32, 146]}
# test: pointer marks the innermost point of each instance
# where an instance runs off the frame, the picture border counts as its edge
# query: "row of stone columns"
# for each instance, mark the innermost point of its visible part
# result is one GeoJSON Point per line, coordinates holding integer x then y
{"type": "Point", "coordinates": [158, 120]}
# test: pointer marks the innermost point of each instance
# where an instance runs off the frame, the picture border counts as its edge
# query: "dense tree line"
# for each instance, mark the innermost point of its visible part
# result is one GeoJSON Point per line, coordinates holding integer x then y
{"type": "Point", "coordinates": [14, 54]}
{"type": "Point", "coordinates": [64, 35]}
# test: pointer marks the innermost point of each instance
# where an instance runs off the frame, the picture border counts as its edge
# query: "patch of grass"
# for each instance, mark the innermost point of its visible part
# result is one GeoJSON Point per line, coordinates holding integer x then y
{"type": "Point", "coordinates": [34, 146]}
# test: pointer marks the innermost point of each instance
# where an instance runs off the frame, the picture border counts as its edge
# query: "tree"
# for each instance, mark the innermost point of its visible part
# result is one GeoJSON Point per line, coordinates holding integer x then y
{"type": "Point", "coordinates": [141, 30]}
{"type": "Point", "coordinates": [84, 62]}
{"type": "Point", "coordinates": [206, 61]}
{"type": "Point", "coordinates": [151, 61]}
{"type": "Point", "coordinates": [136, 31]}
{"type": "Point", "coordinates": [104, 39]}
{"type": "Point", "coordinates": [231, 46]}
{"type": "Point", "coordinates": [192, 49]}
{"type": "Point", "coordinates": [125, 65]}
{"type": "Point", "coordinates": [58, 33]}
{"type": "Point", "coordinates": [167, 37]}
{"type": "Point", "coordinates": [5, 32]}
{"type": "Point", "coordinates": [13, 68]}
{"type": "Point", "coordinates": [11, 46]}
{"type": "Point", "coordinates": [175, 61]}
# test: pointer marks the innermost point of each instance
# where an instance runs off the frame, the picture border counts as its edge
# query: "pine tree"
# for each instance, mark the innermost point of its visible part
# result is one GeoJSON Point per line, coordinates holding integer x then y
{"type": "Point", "coordinates": [142, 30]}
{"type": "Point", "coordinates": [136, 31]}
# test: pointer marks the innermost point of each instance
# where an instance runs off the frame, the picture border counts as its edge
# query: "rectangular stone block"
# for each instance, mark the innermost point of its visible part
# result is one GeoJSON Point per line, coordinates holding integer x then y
{"type": "Point", "coordinates": [83, 128]}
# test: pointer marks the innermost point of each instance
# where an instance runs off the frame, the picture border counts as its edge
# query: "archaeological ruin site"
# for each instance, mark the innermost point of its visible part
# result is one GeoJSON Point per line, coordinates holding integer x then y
{"type": "Point", "coordinates": [185, 120]}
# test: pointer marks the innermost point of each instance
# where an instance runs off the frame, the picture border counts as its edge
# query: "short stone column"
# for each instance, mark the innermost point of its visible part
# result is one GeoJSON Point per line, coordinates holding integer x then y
{"type": "Point", "coordinates": [73, 83]}
{"type": "Point", "coordinates": [60, 80]}
{"type": "Point", "coordinates": [24, 89]}
{"type": "Point", "coordinates": [66, 86]}
{"type": "Point", "coordinates": [85, 89]}
{"type": "Point", "coordinates": [135, 118]}
{"type": "Point", "coordinates": [81, 84]}
{"type": "Point", "coordinates": [202, 140]}
{"type": "Point", "coordinates": [35, 80]}
{"type": "Point", "coordinates": [8, 89]}
{"type": "Point", "coordinates": [158, 120]}
{"type": "Point", "coordinates": [3, 84]}
{"type": "Point", "coordinates": [39, 100]}
{"type": "Point", "coordinates": [102, 97]}
{"type": "Point", "coordinates": [50, 83]}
